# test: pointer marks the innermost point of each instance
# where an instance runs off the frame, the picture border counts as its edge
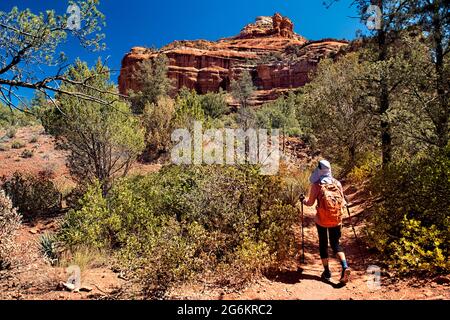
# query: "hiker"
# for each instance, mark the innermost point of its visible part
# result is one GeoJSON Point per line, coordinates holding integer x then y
{"type": "Point", "coordinates": [330, 201]}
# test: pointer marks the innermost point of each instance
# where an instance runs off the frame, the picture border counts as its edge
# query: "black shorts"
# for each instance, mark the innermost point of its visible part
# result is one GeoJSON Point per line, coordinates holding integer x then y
{"type": "Point", "coordinates": [334, 234]}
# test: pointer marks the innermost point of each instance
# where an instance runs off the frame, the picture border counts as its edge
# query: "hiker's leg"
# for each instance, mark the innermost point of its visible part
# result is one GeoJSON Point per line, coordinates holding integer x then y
{"type": "Point", "coordinates": [323, 243]}
{"type": "Point", "coordinates": [323, 247]}
{"type": "Point", "coordinates": [335, 237]}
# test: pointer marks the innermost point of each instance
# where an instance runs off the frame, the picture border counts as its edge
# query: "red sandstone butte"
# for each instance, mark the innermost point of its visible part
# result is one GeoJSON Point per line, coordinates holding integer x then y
{"type": "Point", "coordinates": [277, 58]}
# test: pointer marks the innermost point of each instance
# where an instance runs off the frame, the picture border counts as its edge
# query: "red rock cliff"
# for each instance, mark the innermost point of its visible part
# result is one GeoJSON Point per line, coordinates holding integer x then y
{"type": "Point", "coordinates": [276, 56]}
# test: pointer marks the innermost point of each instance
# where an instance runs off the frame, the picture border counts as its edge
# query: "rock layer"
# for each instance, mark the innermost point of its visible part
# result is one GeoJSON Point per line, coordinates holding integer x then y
{"type": "Point", "coordinates": [275, 55]}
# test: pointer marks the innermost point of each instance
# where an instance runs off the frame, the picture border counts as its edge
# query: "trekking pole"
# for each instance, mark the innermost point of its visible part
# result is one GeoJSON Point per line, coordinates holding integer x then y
{"type": "Point", "coordinates": [302, 197]}
{"type": "Point", "coordinates": [354, 232]}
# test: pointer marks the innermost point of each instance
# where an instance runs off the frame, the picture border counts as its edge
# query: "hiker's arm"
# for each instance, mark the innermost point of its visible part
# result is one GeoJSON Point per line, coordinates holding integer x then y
{"type": "Point", "coordinates": [313, 192]}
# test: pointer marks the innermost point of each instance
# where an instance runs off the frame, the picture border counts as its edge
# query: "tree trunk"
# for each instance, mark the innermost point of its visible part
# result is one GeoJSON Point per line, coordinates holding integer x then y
{"type": "Point", "coordinates": [441, 81]}
{"type": "Point", "coordinates": [383, 99]}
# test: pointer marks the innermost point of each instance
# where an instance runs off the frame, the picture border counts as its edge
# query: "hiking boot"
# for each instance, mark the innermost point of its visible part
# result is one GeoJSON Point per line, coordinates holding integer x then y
{"type": "Point", "coordinates": [326, 275]}
{"type": "Point", "coordinates": [345, 276]}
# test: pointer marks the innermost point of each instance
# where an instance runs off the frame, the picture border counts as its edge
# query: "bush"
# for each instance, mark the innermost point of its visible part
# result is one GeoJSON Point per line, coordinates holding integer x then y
{"type": "Point", "coordinates": [183, 222]}
{"type": "Point", "coordinates": [4, 147]}
{"type": "Point", "coordinates": [9, 224]}
{"type": "Point", "coordinates": [411, 226]}
{"type": "Point", "coordinates": [17, 144]}
{"type": "Point", "coordinates": [214, 105]}
{"type": "Point", "coordinates": [420, 248]}
{"type": "Point", "coordinates": [48, 247]}
{"type": "Point", "coordinates": [102, 141]}
{"type": "Point", "coordinates": [33, 195]}
{"type": "Point", "coordinates": [15, 117]}
{"type": "Point", "coordinates": [11, 132]}
{"type": "Point", "coordinates": [365, 168]}
{"type": "Point", "coordinates": [157, 121]}
{"type": "Point", "coordinates": [34, 139]}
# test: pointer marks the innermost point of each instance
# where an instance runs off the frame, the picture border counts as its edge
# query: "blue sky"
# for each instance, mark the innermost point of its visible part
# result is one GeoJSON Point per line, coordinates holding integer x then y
{"type": "Point", "coordinates": [155, 23]}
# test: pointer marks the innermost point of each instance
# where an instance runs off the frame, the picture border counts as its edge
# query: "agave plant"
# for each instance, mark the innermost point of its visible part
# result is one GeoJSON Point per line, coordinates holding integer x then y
{"type": "Point", "coordinates": [49, 248]}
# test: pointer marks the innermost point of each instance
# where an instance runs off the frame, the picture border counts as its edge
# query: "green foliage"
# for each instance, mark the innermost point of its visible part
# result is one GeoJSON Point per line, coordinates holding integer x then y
{"type": "Point", "coordinates": [26, 154]}
{"type": "Point", "coordinates": [188, 109]}
{"type": "Point", "coordinates": [11, 132]}
{"type": "Point", "coordinates": [337, 103]}
{"type": "Point", "coordinates": [214, 105]}
{"type": "Point", "coordinates": [151, 75]}
{"type": "Point", "coordinates": [103, 140]}
{"type": "Point", "coordinates": [182, 222]}
{"type": "Point", "coordinates": [365, 167]}
{"type": "Point", "coordinates": [96, 228]}
{"type": "Point", "coordinates": [32, 195]}
{"type": "Point", "coordinates": [48, 247]}
{"type": "Point", "coordinates": [280, 114]}
{"type": "Point", "coordinates": [420, 249]}
{"type": "Point", "coordinates": [242, 89]}
{"type": "Point", "coordinates": [157, 120]}
{"type": "Point", "coordinates": [17, 144]}
{"type": "Point", "coordinates": [15, 118]}
{"type": "Point", "coordinates": [9, 225]}
{"type": "Point", "coordinates": [30, 41]}
{"type": "Point", "coordinates": [410, 227]}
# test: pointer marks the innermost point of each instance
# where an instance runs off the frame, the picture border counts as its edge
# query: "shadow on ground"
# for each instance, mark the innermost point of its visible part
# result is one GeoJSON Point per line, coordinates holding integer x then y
{"type": "Point", "coordinates": [296, 276]}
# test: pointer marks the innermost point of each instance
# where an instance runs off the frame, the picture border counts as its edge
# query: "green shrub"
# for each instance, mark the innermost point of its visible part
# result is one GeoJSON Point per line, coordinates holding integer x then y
{"type": "Point", "coordinates": [4, 147]}
{"type": "Point", "coordinates": [33, 195]}
{"type": "Point", "coordinates": [365, 168]}
{"type": "Point", "coordinates": [15, 117]}
{"type": "Point", "coordinates": [11, 132]}
{"type": "Point", "coordinates": [420, 248]}
{"type": "Point", "coordinates": [48, 247]}
{"type": "Point", "coordinates": [411, 226]}
{"type": "Point", "coordinates": [17, 144]}
{"type": "Point", "coordinates": [214, 105]}
{"type": "Point", "coordinates": [34, 139]}
{"type": "Point", "coordinates": [183, 222]}
{"type": "Point", "coordinates": [9, 224]}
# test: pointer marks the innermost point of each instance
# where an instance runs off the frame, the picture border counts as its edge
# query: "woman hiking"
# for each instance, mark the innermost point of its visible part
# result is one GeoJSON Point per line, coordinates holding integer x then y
{"type": "Point", "coordinates": [330, 201]}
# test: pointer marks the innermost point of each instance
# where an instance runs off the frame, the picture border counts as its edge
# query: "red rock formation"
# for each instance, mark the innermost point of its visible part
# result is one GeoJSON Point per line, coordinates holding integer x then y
{"type": "Point", "coordinates": [275, 55]}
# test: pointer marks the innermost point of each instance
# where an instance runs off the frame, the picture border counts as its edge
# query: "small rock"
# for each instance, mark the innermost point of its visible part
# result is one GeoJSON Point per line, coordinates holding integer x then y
{"type": "Point", "coordinates": [33, 231]}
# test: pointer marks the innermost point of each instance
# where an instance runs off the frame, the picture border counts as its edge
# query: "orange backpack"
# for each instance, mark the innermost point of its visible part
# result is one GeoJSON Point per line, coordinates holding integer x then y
{"type": "Point", "coordinates": [330, 204]}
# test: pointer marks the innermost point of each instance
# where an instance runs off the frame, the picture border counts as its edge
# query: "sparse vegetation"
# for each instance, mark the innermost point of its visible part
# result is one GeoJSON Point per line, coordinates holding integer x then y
{"type": "Point", "coordinates": [103, 141]}
{"type": "Point", "coordinates": [17, 144]}
{"type": "Point", "coordinates": [176, 225]}
{"type": "Point", "coordinates": [32, 195]}
{"type": "Point", "coordinates": [27, 154]}
{"type": "Point", "coordinates": [49, 248]}
{"type": "Point", "coordinates": [153, 81]}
